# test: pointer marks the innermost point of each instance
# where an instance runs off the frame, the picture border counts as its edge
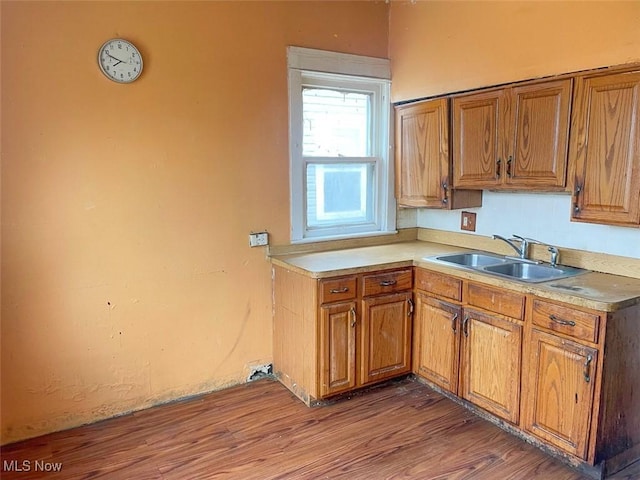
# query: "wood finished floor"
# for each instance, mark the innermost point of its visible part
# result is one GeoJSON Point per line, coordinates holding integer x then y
{"type": "Point", "coordinates": [260, 431]}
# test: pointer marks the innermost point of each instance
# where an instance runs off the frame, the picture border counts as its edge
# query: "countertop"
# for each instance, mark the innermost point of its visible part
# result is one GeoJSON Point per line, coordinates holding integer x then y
{"type": "Point", "coordinates": [598, 291]}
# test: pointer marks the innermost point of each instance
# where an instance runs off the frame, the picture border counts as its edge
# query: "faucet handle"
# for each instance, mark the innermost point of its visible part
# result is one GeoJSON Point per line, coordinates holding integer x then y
{"type": "Point", "coordinates": [528, 240]}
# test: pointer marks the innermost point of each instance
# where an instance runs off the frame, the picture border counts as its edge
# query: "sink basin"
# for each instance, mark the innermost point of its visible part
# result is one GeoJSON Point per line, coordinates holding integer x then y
{"type": "Point", "coordinates": [528, 272]}
{"type": "Point", "coordinates": [507, 267]}
{"type": "Point", "coordinates": [473, 259]}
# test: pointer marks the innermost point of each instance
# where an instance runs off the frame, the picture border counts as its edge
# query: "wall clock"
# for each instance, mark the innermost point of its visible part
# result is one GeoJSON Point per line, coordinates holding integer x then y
{"type": "Point", "coordinates": [120, 60]}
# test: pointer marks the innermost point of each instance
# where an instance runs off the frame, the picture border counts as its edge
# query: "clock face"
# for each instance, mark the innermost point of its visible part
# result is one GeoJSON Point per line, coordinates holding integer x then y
{"type": "Point", "coordinates": [120, 60]}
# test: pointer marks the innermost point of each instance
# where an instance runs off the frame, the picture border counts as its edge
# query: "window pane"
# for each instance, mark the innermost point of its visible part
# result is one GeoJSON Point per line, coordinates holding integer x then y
{"type": "Point", "coordinates": [336, 123]}
{"type": "Point", "coordinates": [339, 194]}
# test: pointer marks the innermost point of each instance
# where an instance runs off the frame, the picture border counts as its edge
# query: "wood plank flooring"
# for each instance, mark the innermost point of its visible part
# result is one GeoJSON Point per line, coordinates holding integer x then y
{"type": "Point", "coordinates": [260, 431]}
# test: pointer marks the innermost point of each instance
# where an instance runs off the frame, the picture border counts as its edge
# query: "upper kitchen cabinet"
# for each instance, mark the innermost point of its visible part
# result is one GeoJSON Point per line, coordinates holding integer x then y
{"type": "Point", "coordinates": [422, 159]}
{"type": "Point", "coordinates": [604, 155]}
{"type": "Point", "coordinates": [512, 138]}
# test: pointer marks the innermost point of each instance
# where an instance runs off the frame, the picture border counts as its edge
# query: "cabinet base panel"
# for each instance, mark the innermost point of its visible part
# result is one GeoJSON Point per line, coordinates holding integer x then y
{"type": "Point", "coordinates": [294, 388]}
{"type": "Point", "coordinates": [359, 391]}
{"type": "Point", "coordinates": [596, 472]}
{"type": "Point", "coordinates": [622, 460]}
{"type": "Point", "coordinates": [310, 401]}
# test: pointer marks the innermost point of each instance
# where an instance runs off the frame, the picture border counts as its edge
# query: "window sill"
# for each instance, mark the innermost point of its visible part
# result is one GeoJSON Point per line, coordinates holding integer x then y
{"type": "Point", "coordinates": [343, 237]}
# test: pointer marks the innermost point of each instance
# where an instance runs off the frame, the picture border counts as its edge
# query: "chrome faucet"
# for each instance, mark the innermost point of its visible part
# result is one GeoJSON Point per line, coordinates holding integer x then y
{"type": "Point", "coordinates": [522, 250]}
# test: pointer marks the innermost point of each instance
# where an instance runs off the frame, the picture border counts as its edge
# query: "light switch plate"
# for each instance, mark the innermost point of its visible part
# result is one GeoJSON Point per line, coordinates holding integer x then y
{"type": "Point", "coordinates": [258, 239]}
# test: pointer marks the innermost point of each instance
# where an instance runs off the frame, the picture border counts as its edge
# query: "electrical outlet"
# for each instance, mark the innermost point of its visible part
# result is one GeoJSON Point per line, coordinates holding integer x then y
{"type": "Point", "coordinates": [258, 239]}
{"type": "Point", "coordinates": [468, 221]}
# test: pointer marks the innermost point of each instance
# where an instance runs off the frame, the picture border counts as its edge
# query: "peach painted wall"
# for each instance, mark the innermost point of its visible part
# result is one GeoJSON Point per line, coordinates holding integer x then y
{"type": "Point", "coordinates": [126, 272]}
{"type": "Point", "coordinates": [444, 46]}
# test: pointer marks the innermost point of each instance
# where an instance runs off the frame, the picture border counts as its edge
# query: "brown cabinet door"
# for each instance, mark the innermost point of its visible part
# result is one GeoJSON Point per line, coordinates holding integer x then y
{"type": "Point", "coordinates": [536, 150]}
{"type": "Point", "coordinates": [477, 156]}
{"type": "Point", "coordinates": [337, 348]}
{"type": "Point", "coordinates": [604, 152]}
{"type": "Point", "coordinates": [491, 360]}
{"type": "Point", "coordinates": [558, 391]}
{"type": "Point", "coordinates": [386, 337]}
{"type": "Point", "coordinates": [437, 341]}
{"type": "Point", "coordinates": [422, 154]}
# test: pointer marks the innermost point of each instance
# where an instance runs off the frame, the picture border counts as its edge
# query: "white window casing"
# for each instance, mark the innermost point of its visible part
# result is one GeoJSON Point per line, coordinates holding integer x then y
{"type": "Point", "coordinates": [370, 212]}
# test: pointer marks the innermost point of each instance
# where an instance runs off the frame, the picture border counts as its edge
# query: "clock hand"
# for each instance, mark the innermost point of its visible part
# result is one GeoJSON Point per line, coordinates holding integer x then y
{"type": "Point", "coordinates": [119, 61]}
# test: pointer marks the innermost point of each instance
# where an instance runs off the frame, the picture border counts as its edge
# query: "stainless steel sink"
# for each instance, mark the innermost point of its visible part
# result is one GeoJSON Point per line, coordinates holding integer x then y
{"type": "Point", "coordinates": [528, 272]}
{"type": "Point", "coordinates": [508, 267]}
{"type": "Point", "coordinates": [474, 259]}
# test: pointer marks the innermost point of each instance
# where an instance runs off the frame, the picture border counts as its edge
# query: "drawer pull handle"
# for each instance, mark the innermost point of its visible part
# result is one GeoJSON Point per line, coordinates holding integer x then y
{"type": "Point", "coordinates": [388, 283]}
{"type": "Point", "coordinates": [587, 373]}
{"type": "Point", "coordinates": [465, 326]}
{"type": "Point", "coordinates": [353, 316]}
{"type": "Point", "coordinates": [454, 322]}
{"type": "Point", "coordinates": [570, 323]}
{"type": "Point", "coordinates": [339, 290]}
{"type": "Point", "coordinates": [410, 302]}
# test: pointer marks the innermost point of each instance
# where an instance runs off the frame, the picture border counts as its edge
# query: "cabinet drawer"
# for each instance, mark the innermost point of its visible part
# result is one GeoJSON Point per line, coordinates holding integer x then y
{"type": "Point", "coordinates": [386, 282]}
{"type": "Point", "coordinates": [496, 300]}
{"type": "Point", "coordinates": [337, 289]}
{"type": "Point", "coordinates": [438, 284]}
{"type": "Point", "coordinates": [566, 320]}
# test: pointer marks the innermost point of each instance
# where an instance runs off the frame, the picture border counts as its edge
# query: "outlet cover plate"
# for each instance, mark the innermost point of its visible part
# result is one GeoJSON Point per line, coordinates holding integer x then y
{"type": "Point", "coordinates": [258, 239]}
{"type": "Point", "coordinates": [468, 221]}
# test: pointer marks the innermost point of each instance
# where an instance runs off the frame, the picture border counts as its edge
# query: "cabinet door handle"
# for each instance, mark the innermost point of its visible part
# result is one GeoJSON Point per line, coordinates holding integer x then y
{"type": "Point", "coordinates": [576, 205]}
{"type": "Point", "coordinates": [509, 166]}
{"type": "Point", "coordinates": [465, 326]}
{"type": "Point", "coordinates": [454, 322]}
{"type": "Point", "coordinates": [410, 302]}
{"type": "Point", "coordinates": [388, 283]}
{"type": "Point", "coordinates": [339, 290]}
{"type": "Point", "coordinates": [587, 372]}
{"type": "Point", "coordinates": [498, 168]}
{"type": "Point", "coordinates": [353, 316]}
{"type": "Point", "coordinates": [445, 198]}
{"type": "Point", "coordinates": [553, 318]}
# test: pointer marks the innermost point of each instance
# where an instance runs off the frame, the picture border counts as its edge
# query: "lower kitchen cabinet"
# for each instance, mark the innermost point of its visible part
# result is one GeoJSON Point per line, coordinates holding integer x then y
{"type": "Point", "coordinates": [581, 382]}
{"type": "Point", "coordinates": [437, 341]}
{"type": "Point", "coordinates": [559, 389]}
{"type": "Point", "coordinates": [337, 334]}
{"type": "Point", "coordinates": [337, 348]}
{"type": "Point", "coordinates": [469, 352]}
{"type": "Point", "coordinates": [386, 336]}
{"type": "Point", "coordinates": [491, 361]}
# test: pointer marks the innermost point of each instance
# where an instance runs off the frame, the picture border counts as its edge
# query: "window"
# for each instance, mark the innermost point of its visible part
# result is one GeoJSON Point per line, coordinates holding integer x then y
{"type": "Point", "coordinates": [339, 135]}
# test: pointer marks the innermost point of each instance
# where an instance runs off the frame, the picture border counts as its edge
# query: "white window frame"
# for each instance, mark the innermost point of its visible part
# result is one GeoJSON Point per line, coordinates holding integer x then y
{"type": "Point", "coordinates": [354, 72]}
